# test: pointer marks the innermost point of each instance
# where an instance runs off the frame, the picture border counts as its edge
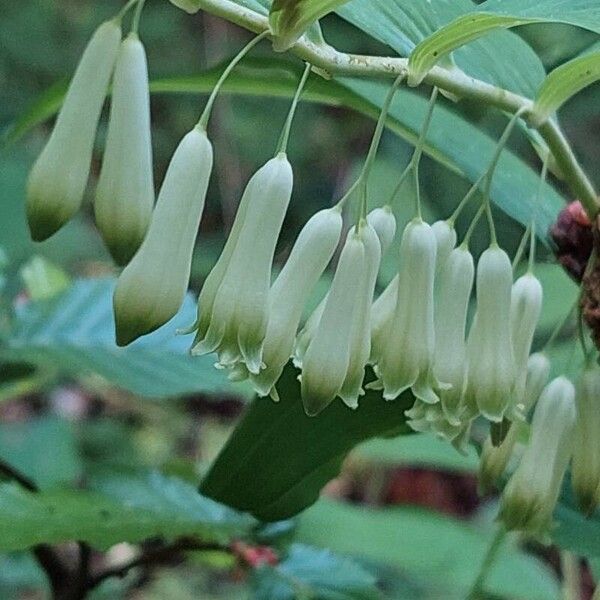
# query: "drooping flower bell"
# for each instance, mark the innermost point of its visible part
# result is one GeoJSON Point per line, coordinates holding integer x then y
{"type": "Point", "coordinates": [153, 285]}
{"type": "Point", "coordinates": [452, 303]}
{"type": "Point", "coordinates": [445, 236]}
{"type": "Point", "coordinates": [494, 460]}
{"type": "Point", "coordinates": [325, 363]}
{"type": "Point", "coordinates": [382, 313]}
{"type": "Point", "coordinates": [59, 176]}
{"type": "Point", "coordinates": [530, 496]}
{"type": "Point", "coordinates": [407, 356]}
{"type": "Point", "coordinates": [525, 309]}
{"type": "Point", "coordinates": [307, 333]}
{"type": "Point", "coordinates": [490, 362]}
{"type": "Point", "coordinates": [360, 340]}
{"type": "Point", "coordinates": [310, 256]}
{"type": "Point", "coordinates": [585, 471]}
{"type": "Point", "coordinates": [125, 193]}
{"type": "Point", "coordinates": [383, 221]}
{"type": "Point", "coordinates": [233, 305]}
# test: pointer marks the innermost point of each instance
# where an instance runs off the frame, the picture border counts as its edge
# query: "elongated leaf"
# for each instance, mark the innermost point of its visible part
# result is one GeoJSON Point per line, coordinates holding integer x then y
{"type": "Point", "coordinates": [315, 573]}
{"type": "Point", "coordinates": [515, 183]}
{"type": "Point", "coordinates": [439, 554]}
{"type": "Point", "coordinates": [128, 508]}
{"type": "Point", "coordinates": [290, 18]}
{"type": "Point", "coordinates": [563, 83]}
{"type": "Point", "coordinates": [74, 332]}
{"type": "Point", "coordinates": [278, 459]}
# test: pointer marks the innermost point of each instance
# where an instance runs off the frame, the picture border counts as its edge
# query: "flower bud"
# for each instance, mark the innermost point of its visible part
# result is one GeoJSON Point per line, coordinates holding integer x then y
{"type": "Point", "coordinates": [490, 363]}
{"type": "Point", "coordinates": [445, 237]}
{"type": "Point", "coordinates": [407, 357]}
{"type": "Point", "coordinates": [239, 311]}
{"type": "Point", "coordinates": [310, 256]}
{"type": "Point", "coordinates": [530, 496]}
{"type": "Point", "coordinates": [327, 358]}
{"type": "Point", "coordinates": [454, 292]}
{"type": "Point", "coordinates": [382, 220]}
{"type": "Point", "coordinates": [125, 193]}
{"type": "Point", "coordinates": [59, 176]}
{"type": "Point", "coordinates": [307, 333]}
{"type": "Point", "coordinates": [525, 309]}
{"type": "Point", "coordinates": [382, 313]}
{"type": "Point", "coordinates": [495, 459]}
{"type": "Point", "coordinates": [360, 341]}
{"type": "Point", "coordinates": [153, 285]}
{"type": "Point", "coordinates": [585, 472]}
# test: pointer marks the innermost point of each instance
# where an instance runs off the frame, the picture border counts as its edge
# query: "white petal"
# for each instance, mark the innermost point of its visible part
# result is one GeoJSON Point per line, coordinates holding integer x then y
{"type": "Point", "coordinates": [382, 220]}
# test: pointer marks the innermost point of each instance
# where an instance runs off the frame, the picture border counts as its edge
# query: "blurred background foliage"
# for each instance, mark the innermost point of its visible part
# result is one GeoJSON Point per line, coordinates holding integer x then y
{"type": "Point", "coordinates": [407, 508]}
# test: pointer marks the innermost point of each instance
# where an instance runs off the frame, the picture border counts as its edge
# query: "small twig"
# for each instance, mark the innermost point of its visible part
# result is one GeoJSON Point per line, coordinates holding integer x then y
{"type": "Point", "coordinates": [477, 590]}
{"type": "Point", "coordinates": [11, 473]}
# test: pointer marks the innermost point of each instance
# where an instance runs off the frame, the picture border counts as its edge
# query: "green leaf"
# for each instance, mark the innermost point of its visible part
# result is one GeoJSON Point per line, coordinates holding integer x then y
{"type": "Point", "coordinates": [127, 508]}
{"type": "Point", "coordinates": [440, 554]}
{"type": "Point", "coordinates": [314, 573]}
{"type": "Point", "coordinates": [290, 18]}
{"type": "Point", "coordinates": [419, 450]}
{"type": "Point", "coordinates": [515, 182]}
{"type": "Point", "coordinates": [74, 333]}
{"type": "Point", "coordinates": [278, 459]}
{"type": "Point", "coordinates": [43, 279]}
{"type": "Point", "coordinates": [43, 449]}
{"type": "Point", "coordinates": [563, 83]}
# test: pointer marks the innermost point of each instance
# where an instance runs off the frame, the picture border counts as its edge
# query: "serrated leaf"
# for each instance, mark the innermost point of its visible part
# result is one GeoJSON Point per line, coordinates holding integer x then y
{"type": "Point", "coordinates": [563, 83]}
{"type": "Point", "coordinates": [278, 459]}
{"type": "Point", "coordinates": [75, 333]}
{"type": "Point", "coordinates": [308, 572]}
{"type": "Point", "coordinates": [125, 509]}
{"type": "Point", "coordinates": [440, 554]}
{"type": "Point", "coordinates": [290, 18]}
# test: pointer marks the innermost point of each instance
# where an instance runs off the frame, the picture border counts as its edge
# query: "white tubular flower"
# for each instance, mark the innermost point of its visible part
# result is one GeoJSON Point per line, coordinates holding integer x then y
{"type": "Point", "coordinates": [125, 193]}
{"type": "Point", "coordinates": [59, 176]}
{"type": "Point", "coordinates": [452, 302]}
{"type": "Point", "coordinates": [525, 309]}
{"type": "Point", "coordinates": [310, 256]}
{"type": "Point", "coordinates": [445, 237]}
{"type": "Point", "coordinates": [530, 496]}
{"type": "Point", "coordinates": [494, 460]}
{"type": "Point", "coordinates": [407, 357]}
{"type": "Point", "coordinates": [382, 313]}
{"type": "Point", "coordinates": [585, 472]}
{"type": "Point", "coordinates": [382, 220]}
{"type": "Point", "coordinates": [239, 311]}
{"type": "Point", "coordinates": [325, 364]}
{"type": "Point", "coordinates": [152, 286]}
{"type": "Point", "coordinates": [360, 342]}
{"type": "Point", "coordinates": [307, 333]}
{"type": "Point", "coordinates": [490, 362]}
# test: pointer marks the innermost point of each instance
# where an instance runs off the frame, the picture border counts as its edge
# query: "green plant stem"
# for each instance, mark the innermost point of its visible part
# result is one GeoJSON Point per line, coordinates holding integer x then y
{"type": "Point", "coordinates": [137, 15]}
{"type": "Point", "coordinates": [203, 121]}
{"type": "Point", "coordinates": [126, 9]}
{"type": "Point", "coordinates": [571, 583]}
{"type": "Point", "coordinates": [471, 229]}
{"type": "Point", "coordinates": [477, 590]}
{"type": "Point", "coordinates": [461, 205]}
{"type": "Point", "coordinates": [285, 134]}
{"type": "Point", "coordinates": [330, 60]}
{"type": "Point", "coordinates": [521, 249]}
{"type": "Point", "coordinates": [538, 200]}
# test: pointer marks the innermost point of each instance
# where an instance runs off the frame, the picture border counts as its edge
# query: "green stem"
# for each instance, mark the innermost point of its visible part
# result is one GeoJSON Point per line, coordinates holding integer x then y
{"type": "Point", "coordinates": [331, 61]}
{"type": "Point", "coordinates": [458, 210]}
{"type": "Point", "coordinates": [559, 327]}
{"type": "Point", "coordinates": [203, 122]}
{"type": "Point", "coordinates": [521, 249]}
{"type": "Point", "coordinates": [478, 588]}
{"type": "Point", "coordinates": [137, 15]}
{"type": "Point", "coordinates": [471, 229]}
{"type": "Point", "coordinates": [126, 9]}
{"type": "Point", "coordinates": [425, 127]}
{"type": "Point", "coordinates": [571, 584]}
{"type": "Point", "coordinates": [285, 134]}
{"type": "Point", "coordinates": [538, 200]}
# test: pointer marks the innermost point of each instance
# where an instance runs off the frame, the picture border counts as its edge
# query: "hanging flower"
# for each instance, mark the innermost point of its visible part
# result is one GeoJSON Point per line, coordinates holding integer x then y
{"type": "Point", "coordinates": [307, 333]}
{"type": "Point", "coordinates": [309, 257]}
{"type": "Point", "coordinates": [530, 496]}
{"type": "Point", "coordinates": [59, 176]}
{"type": "Point", "coordinates": [452, 303]}
{"type": "Point", "coordinates": [490, 362]}
{"type": "Point", "coordinates": [525, 309]}
{"type": "Point", "coordinates": [327, 358]}
{"type": "Point", "coordinates": [153, 285]}
{"type": "Point", "coordinates": [235, 314]}
{"type": "Point", "coordinates": [494, 460]}
{"type": "Point", "coordinates": [382, 220]}
{"type": "Point", "coordinates": [360, 341]}
{"type": "Point", "coordinates": [445, 237]}
{"type": "Point", "coordinates": [585, 472]}
{"type": "Point", "coordinates": [407, 356]}
{"type": "Point", "coordinates": [382, 313]}
{"type": "Point", "coordinates": [125, 193]}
